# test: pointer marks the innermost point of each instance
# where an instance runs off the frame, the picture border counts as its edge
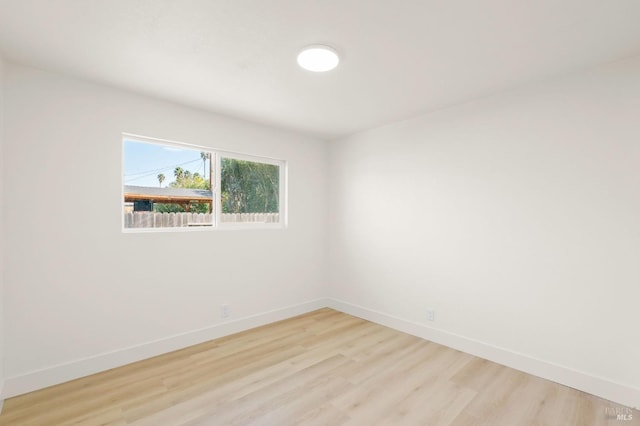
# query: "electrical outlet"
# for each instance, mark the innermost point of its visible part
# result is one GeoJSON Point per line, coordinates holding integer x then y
{"type": "Point", "coordinates": [431, 315]}
{"type": "Point", "coordinates": [224, 311]}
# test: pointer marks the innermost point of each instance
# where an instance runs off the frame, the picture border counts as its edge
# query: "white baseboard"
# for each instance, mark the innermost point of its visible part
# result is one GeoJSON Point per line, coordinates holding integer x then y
{"type": "Point", "coordinates": [607, 389]}
{"type": "Point", "coordinates": [40, 379]}
{"type": "Point", "coordinates": [612, 391]}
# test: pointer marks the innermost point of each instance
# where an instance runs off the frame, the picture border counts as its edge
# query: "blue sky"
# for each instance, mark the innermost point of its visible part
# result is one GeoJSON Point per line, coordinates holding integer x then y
{"type": "Point", "coordinates": [144, 161]}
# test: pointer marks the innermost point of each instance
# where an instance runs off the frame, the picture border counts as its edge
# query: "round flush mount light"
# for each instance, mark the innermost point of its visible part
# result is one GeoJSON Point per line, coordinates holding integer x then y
{"type": "Point", "coordinates": [318, 58]}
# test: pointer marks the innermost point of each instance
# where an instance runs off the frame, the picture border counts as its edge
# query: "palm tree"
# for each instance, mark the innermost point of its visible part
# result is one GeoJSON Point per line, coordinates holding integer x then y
{"type": "Point", "coordinates": [160, 179]}
{"type": "Point", "coordinates": [178, 172]}
{"type": "Point", "coordinates": [204, 156]}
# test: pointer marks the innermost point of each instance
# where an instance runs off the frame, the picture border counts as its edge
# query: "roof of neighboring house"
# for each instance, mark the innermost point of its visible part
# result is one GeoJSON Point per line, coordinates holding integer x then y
{"type": "Point", "coordinates": [165, 194]}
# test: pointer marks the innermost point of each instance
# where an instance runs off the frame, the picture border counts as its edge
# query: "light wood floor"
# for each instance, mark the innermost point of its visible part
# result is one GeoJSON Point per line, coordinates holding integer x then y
{"type": "Point", "coordinates": [322, 368]}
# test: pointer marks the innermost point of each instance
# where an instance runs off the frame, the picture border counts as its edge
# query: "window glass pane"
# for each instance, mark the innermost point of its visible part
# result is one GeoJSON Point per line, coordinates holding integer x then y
{"type": "Point", "coordinates": [166, 186]}
{"type": "Point", "coordinates": [250, 191]}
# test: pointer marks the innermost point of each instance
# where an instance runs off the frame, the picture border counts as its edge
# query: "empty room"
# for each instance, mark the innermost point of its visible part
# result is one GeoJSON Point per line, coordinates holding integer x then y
{"type": "Point", "coordinates": [330, 212]}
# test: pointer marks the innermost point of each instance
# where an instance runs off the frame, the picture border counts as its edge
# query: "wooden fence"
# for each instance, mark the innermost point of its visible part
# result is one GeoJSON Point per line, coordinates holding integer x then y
{"type": "Point", "coordinates": [178, 220]}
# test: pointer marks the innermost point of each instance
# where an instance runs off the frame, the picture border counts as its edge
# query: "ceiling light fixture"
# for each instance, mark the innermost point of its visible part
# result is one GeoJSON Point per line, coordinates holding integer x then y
{"type": "Point", "coordinates": [318, 58]}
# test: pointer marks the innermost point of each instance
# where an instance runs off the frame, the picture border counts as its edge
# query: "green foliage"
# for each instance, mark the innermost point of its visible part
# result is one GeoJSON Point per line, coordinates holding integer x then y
{"type": "Point", "coordinates": [167, 208]}
{"type": "Point", "coordinates": [186, 179]}
{"type": "Point", "coordinates": [246, 187]}
{"type": "Point", "coordinates": [249, 187]}
{"type": "Point", "coordinates": [177, 208]}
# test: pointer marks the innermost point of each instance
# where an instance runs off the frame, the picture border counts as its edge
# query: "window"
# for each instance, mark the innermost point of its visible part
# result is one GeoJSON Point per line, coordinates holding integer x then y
{"type": "Point", "coordinates": [249, 190]}
{"type": "Point", "coordinates": [172, 186]}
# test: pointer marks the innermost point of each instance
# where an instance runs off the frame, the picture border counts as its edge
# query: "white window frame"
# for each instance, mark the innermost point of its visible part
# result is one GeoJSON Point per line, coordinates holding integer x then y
{"type": "Point", "coordinates": [216, 155]}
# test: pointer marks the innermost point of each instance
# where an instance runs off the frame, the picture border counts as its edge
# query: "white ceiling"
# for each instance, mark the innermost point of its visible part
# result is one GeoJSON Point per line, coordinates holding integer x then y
{"type": "Point", "coordinates": [399, 58]}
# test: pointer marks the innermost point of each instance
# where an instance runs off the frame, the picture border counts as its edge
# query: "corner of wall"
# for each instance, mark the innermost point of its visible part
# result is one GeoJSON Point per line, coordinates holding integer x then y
{"type": "Point", "coordinates": [495, 213]}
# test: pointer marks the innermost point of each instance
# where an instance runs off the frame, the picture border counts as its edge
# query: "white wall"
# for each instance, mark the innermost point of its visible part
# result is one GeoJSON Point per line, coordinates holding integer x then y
{"type": "Point", "coordinates": [515, 217]}
{"type": "Point", "coordinates": [1, 230]}
{"type": "Point", "coordinates": [83, 296]}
